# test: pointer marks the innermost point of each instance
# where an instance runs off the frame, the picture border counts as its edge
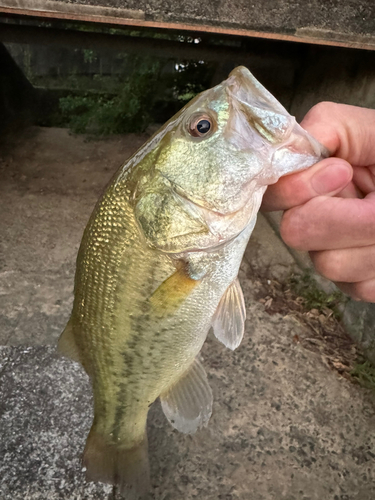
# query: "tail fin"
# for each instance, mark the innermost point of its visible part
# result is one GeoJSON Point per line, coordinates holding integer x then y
{"type": "Point", "coordinates": [126, 468]}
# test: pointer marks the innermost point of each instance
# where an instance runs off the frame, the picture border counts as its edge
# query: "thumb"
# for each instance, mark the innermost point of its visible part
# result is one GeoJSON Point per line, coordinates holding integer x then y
{"type": "Point", "coordinates": [328, 177]}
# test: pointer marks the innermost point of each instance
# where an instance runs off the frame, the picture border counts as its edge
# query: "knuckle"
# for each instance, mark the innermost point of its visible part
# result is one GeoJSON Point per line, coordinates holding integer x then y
{"type": "Point", "coordinates": [322, 109]}
{"type": "Point", "coordinates": [291, 230]}
{"type": "Point", "coordinates": [364, 291]}
{"type": "Point", "coordinates": [329, 264]}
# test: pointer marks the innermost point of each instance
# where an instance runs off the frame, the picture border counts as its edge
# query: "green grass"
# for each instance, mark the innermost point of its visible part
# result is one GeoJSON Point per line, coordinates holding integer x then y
{"type": "Point", "coordinates": [364, 373]}
{"type": "Point", "coordinates": [306, 287]}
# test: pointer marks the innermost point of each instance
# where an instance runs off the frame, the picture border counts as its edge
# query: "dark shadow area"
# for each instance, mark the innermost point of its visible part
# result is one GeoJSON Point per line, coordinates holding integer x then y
{"type": "Point", "coordinates": [17, 95]}
{"type": "Point", "coordinates": [121, 80]}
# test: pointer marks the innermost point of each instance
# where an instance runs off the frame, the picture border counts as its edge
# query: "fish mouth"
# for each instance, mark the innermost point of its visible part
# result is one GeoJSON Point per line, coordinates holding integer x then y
{"type": "Point", "coordinates": [292, 147]}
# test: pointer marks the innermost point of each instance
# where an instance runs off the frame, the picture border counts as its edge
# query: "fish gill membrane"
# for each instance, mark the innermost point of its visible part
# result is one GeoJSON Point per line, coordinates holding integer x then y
{"type": "Point", "coordinates": [158, 265]}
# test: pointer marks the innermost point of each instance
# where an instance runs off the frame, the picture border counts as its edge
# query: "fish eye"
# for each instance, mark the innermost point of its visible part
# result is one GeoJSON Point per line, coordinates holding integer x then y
{"type": "Point", "coordinates": [200, 125]}
{"type": "Point", "coordinates": [203, 126]}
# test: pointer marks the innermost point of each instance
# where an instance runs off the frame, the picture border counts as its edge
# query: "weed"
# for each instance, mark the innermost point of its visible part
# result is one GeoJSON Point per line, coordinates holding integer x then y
{"type": "Point", "coordinates": [104, 114]}
{"type": "Point", "coordinates": [364, 372]}
{"type": "Point", "coordinates": [152, 92]}
{"type": "Point", "coordinates": [306, 287]}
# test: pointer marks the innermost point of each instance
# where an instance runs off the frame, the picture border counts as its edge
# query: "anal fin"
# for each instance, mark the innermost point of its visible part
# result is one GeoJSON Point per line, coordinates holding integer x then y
{"type": "Point", "coordinates": [228, 322]}
{"type": "Point", "coordinates": [188, 404]}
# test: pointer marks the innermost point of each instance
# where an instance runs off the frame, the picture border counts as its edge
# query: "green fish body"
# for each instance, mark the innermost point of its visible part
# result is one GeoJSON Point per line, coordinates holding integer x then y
{"type": "Point", "coordinates": [158, 265]}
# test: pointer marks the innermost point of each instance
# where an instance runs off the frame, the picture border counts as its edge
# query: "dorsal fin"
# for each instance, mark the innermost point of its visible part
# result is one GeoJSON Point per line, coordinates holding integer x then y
{"type": "Point", "coordinates": [67, 345]}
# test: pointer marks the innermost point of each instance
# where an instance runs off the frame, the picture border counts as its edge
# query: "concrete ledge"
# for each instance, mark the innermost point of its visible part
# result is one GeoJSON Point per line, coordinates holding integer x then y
{"type": "Point", "coordinates": [319, 21]}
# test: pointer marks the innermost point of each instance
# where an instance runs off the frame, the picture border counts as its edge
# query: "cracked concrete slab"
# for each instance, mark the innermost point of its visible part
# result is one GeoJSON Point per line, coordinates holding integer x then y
{"type": "Point", "coordinates": [318, 21]}
{"type": "Point", "coordinates": [284, 426]}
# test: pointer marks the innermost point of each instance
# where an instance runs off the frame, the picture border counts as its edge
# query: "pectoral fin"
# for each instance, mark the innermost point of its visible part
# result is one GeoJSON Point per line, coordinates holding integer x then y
{"type": "Point", "coordinates": [172, 293]}
{"type": "Point", "coordinates": [228, 322]}
{"type": "Point", "coordinates": [188, 404]}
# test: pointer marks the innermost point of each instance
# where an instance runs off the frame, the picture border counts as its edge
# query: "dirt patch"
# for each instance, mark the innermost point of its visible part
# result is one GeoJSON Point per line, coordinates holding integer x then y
{"type": "Point", "coordinates": [323, 331]}
{"type": "Point", "coordinates": [50, 181]}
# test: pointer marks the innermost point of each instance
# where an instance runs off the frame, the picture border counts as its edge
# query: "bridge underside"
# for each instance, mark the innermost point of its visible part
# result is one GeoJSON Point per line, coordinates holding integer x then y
{"type": "Point", "coordinates": [322, 22]}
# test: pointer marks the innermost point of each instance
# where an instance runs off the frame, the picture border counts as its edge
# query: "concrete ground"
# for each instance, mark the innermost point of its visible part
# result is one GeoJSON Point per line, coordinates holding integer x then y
{"type": "Point", "coordinates": [285, 426]}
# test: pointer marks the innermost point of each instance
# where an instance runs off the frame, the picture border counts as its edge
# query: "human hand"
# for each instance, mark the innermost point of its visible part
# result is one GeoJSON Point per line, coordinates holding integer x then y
{"type": "Point", "coordinates": [330, 207]}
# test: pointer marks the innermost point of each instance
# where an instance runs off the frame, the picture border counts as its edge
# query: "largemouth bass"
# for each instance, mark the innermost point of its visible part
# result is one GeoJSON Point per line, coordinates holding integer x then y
{"type": "Point", "coordinates": [158, 265]}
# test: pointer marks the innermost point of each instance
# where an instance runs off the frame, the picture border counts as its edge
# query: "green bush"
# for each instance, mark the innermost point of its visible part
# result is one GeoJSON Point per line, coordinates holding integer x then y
{"type": "Point", "coordinates": [148, 95]}
{"type": "Point", "coordinates": [103, 114]}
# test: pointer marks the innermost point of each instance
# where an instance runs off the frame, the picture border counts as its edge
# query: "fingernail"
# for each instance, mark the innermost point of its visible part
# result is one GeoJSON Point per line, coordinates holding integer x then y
{"type": "Point", "coordinates": [331, 178]}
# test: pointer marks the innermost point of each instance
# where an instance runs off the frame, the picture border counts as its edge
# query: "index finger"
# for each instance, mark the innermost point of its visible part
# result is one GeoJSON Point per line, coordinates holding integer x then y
{"type": "Point", "coordinates": [326, 223]}
{"type": "Point", "coordinates": [347, 131]}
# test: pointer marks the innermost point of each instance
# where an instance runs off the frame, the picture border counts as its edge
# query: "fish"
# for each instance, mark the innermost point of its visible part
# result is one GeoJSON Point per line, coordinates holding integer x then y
{"type": "Point", "coordinates": [158, 267]}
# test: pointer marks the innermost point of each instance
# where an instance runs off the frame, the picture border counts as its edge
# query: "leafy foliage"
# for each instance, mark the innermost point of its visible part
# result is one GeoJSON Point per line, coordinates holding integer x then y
{"type": "Point", "coordinates": [149, 94]}
{"type": "Point", "coordinates": [127, 111]}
